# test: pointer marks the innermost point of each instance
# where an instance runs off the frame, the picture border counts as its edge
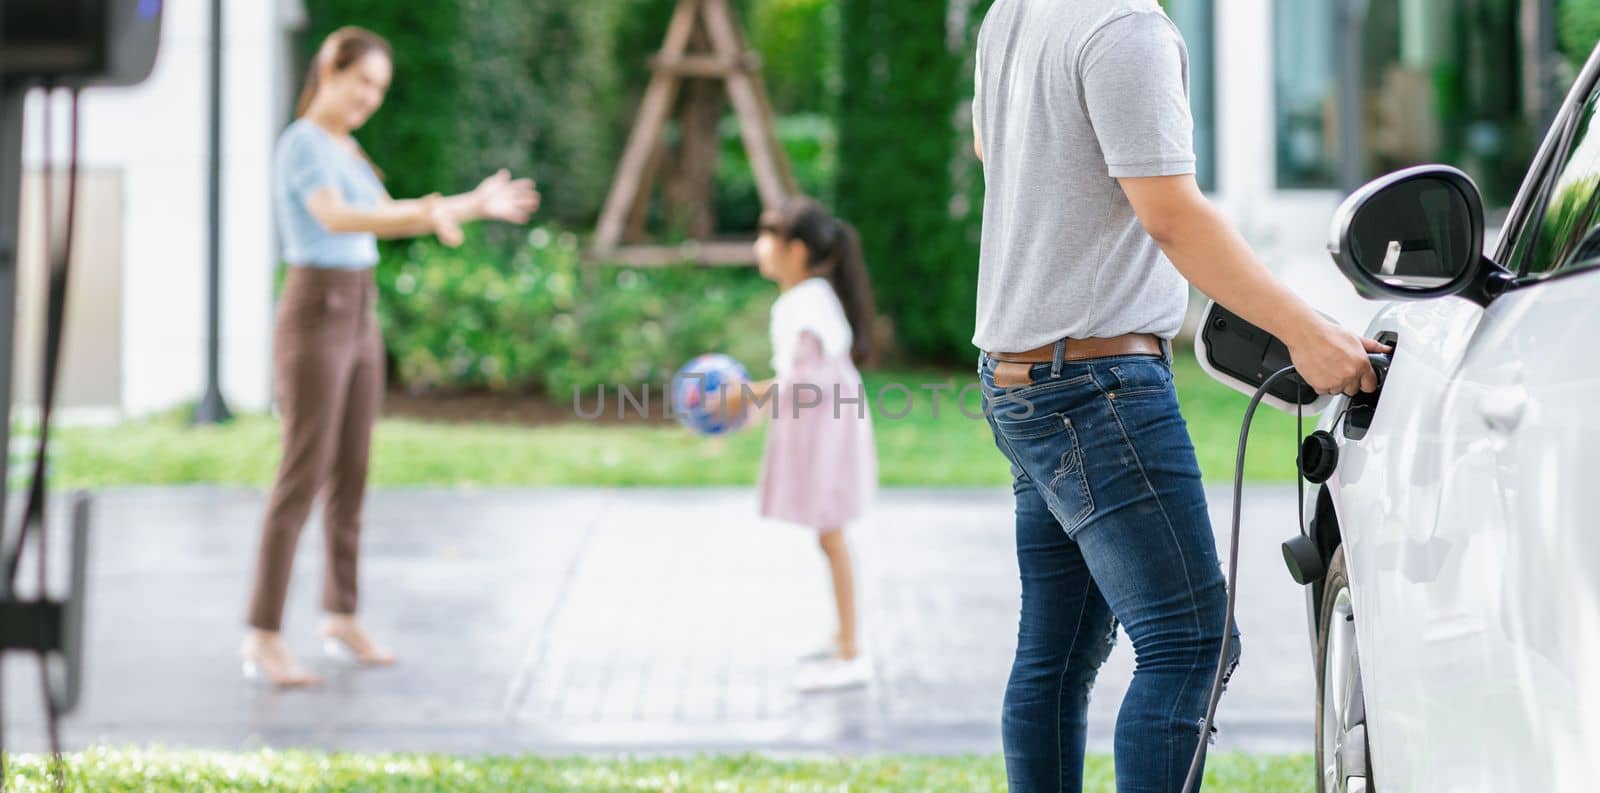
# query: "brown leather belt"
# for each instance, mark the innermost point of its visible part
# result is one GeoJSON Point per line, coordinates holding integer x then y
{"type": "Point", "coordinates": [1086, 349]}
{"type": "Point", "coordinates": [1013, 369]}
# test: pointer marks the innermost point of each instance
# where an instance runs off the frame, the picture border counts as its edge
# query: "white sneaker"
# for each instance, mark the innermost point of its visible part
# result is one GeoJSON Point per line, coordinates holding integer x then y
{"type": "Point", "coordinates": [822, 650]}
{"type": "Point", "coordinates": [834, 674]}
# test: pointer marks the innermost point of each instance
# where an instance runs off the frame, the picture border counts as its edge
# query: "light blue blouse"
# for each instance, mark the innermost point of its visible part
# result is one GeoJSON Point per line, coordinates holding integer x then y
{"type": "Point", "coordinates": [308, 159]}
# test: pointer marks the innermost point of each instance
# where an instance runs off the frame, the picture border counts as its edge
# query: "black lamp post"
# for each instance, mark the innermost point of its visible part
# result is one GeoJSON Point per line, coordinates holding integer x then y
{"type": "Point", "coordinates": [212, 409]}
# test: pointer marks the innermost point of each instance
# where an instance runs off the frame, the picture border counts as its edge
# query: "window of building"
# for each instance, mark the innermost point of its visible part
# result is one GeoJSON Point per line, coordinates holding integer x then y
{"type": "Point", "coordinates": [1440, 81]}
{"type": "Point", "coordinates": [1304, 73]}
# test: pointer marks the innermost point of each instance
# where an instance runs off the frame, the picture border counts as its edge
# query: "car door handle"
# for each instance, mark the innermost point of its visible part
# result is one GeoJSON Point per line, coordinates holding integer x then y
{"type": "Point", "coordinates": [1502, 408]}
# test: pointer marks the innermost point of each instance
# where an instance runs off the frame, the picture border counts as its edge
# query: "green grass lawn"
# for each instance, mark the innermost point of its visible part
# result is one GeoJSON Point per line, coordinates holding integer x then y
{"type": "Point", "coordinates": [111, 771]}
{"type": "Point", "coordinates": [947, 449]}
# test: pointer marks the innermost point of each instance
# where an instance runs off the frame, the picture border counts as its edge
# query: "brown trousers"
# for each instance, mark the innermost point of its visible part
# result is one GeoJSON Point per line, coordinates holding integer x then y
{"type": "Point", "coordinates": [327, 357]}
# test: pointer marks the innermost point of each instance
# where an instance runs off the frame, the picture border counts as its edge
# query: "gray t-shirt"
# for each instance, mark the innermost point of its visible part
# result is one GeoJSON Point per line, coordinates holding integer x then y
{"type": "Point", "coordinates": [1069, 97]}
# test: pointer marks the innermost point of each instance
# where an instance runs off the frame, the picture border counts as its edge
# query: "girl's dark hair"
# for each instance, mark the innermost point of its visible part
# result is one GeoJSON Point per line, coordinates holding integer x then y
{"type": "Point", "coordinates": [343, 48]}
{"type": "Point", "coordinates": [833, 252]}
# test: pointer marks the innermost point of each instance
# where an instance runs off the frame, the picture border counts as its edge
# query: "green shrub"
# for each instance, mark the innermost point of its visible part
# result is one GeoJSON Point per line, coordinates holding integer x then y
{"type": "Point", "coordinates": [907, 175]}
{"type": "Point", "coordinates": [639, 325]}
{"type": "Point", "coordinates": [467, 317]}
{"type": "Point", "coordinates": [535, 319]}
{"type": "Point", "coordinates": [530, 85]}
{"type": "Point", "coordinates": [1578, 23]}
{"type": "Point", "coordinates": [812, 145]}
{"type": "Point", "coordinates": [799, 45]}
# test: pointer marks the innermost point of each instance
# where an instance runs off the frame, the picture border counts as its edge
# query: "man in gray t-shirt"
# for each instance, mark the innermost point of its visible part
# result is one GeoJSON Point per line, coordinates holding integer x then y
{"type": "Point", "coordinates": [1083, 95]}
{"type": "Point", "coordinates": [1093, 229]}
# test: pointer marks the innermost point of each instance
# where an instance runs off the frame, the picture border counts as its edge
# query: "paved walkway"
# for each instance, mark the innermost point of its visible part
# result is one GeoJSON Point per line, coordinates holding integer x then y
{"type": "Point", "coordinates": [577, 620]}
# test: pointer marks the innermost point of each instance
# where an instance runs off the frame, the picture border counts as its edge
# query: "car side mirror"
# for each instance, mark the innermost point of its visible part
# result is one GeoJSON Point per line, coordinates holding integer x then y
{"type": "Point", "coordinates": [1416, 234]}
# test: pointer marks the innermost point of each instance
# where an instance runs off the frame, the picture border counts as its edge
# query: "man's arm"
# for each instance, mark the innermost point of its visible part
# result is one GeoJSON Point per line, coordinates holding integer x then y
{"type": "Point", "coordinates": [1212, 255]}
{"type": "Point", "coordinates": [977, 143]}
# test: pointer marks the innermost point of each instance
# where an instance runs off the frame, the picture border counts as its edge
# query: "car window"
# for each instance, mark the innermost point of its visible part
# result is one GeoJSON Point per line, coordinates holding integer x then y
{"type": "Point", "coordinates": [1566, 235]}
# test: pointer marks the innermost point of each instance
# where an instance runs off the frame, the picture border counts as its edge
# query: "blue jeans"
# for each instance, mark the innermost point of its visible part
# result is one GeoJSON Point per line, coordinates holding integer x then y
{"type": "Point", "coordinates": [1111, 527]}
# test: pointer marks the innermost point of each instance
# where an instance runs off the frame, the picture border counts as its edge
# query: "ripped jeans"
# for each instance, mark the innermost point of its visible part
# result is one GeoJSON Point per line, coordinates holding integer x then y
{"type": "Point", "coordinates": [1111, 527]}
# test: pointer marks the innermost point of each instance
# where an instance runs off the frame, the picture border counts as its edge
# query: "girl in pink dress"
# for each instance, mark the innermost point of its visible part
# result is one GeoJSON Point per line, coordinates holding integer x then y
{"type": "Point", "coordinates": [820, 468]}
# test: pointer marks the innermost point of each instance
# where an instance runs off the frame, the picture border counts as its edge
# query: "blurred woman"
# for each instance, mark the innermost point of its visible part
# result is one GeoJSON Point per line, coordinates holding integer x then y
{"type": "Point", "coordinates": [327, 351]}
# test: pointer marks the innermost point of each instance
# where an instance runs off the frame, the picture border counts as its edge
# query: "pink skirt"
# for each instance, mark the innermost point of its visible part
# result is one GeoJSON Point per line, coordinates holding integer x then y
{"type": "Point", "coordinates": [821, 467]}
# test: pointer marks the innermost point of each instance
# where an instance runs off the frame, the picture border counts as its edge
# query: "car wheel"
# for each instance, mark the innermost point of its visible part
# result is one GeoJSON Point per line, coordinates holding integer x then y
{"type": "Point", "coordinates": [1343, 757]}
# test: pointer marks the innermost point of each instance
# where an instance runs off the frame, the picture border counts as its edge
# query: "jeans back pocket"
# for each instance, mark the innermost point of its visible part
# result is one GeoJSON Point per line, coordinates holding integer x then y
{"type": "Point", "coordinates": [1137, 378]}
{"type": "Point", "coordinates": [1046, 448]}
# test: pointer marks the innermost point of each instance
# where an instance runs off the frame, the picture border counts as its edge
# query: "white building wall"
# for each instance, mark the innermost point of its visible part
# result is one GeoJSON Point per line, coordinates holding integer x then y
{"type": "Point", "coordinates": [155, 134]}
{"type": "Point", "coordinates": [1246, 176]}
{"type": "Point", "coordinates": [1288, 228]}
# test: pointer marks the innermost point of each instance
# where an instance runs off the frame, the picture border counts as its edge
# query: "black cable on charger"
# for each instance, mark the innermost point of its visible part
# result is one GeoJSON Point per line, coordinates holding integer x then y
{"type": "Point", "coordinates": [1380, 366]}
{"type": "Point", "coordinates": [1193, 779]}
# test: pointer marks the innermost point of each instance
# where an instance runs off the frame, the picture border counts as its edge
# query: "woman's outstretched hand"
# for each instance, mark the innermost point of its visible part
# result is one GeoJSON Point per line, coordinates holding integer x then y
{"type": "Point", "coordinates": [446, 226]}
{"type": "Point", "coordinates": [505, 199]}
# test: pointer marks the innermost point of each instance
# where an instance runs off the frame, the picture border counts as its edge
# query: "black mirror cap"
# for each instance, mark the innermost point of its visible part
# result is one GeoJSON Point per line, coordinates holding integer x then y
{"type": "Point", "coordinates": [1480, 281]}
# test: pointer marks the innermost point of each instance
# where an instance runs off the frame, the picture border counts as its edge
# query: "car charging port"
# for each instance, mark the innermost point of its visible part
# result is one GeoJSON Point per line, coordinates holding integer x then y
{"type": "Point", "coordinates": [1363, 406]}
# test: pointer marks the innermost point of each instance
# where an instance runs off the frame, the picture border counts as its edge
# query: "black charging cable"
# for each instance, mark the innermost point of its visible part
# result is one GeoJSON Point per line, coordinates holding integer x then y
{"type": "Point", "coordinates": [1380, 366]}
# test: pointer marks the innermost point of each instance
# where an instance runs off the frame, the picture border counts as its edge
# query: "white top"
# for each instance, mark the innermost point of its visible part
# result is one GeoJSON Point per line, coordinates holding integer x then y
{"type": "Point", "coordinates": [810, 305]}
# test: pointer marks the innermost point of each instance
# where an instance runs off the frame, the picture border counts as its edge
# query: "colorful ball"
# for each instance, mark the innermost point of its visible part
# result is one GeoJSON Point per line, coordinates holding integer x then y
{"type": "Point", "coordinates": [700, 379]}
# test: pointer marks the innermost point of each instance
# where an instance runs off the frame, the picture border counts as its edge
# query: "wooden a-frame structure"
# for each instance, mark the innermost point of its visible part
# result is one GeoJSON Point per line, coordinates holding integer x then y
{"type": "Point", "coordinates": [704, 46]}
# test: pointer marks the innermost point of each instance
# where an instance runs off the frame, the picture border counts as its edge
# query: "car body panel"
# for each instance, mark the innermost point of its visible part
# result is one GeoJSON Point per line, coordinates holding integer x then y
{"type": "Point", "coordinates": [1387, 491]}
{"type": "Point", "coordinates": [1471, 547]}
{"type": "Point", "coordinates": [1467, 512]}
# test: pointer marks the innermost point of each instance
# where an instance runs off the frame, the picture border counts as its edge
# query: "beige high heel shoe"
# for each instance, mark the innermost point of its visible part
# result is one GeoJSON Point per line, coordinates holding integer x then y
{"type": "Point", "coordinates": [348, 641]}
{"type": "Point", "coordinates": [265, 664]}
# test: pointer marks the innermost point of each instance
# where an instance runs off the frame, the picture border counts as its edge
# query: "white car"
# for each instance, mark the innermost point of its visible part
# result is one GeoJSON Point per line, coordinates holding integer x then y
{"type": "Point", "coordinates": [1452, 554]}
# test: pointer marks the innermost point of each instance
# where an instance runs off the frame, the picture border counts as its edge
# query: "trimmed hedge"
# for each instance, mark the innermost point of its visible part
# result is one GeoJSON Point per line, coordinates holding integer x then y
{"type": "Point", "coordinates": [907, 175]}
{"type": "Point", "coordinates": [812, 144]}
{"type": "Point", "coordinates": [799, 45]}
{"type": "Point", "coordinates": [536, 320]}
{"type": "Point", "coordinates": [1578, 27]}
{"type": "Point", "coordinates": [530, 85]}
